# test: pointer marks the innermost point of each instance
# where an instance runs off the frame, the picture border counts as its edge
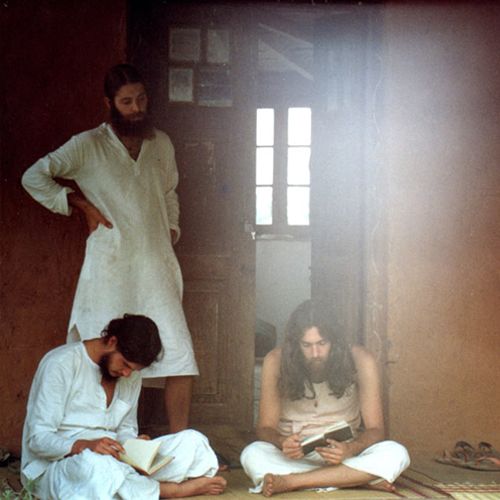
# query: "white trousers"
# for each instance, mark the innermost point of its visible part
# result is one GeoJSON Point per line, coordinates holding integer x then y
{"type": "Point", "coordinates": [91, 476]}
{"type": "Point", "coordinates": [386, 460]}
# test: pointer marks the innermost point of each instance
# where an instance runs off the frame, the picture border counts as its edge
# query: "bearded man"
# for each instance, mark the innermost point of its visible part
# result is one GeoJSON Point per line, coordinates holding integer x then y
{"type": "Point", "coordinates": [313, 381]}
{"type": "Point", "coordinates": [127, 176]}
{"type": "Point", "coordinates": [83, 406]}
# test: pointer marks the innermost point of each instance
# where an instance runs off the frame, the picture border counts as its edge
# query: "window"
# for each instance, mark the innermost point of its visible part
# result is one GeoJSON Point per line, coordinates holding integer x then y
{"type": "Point", "coordinates": [283, 153]}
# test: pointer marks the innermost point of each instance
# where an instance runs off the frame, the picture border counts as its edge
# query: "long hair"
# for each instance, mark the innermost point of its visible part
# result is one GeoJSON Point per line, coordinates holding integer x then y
{"type": "Point", "coordinates": [294, 381]}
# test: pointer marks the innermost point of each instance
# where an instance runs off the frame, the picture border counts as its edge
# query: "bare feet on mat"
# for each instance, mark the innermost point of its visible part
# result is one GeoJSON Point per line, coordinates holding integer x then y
{"type": "Point", "coordinates": [273, 483]}
{"type": "Point", "coordinates": [381, 485]}
{"type": "Point", "coordinates": [193, 487]}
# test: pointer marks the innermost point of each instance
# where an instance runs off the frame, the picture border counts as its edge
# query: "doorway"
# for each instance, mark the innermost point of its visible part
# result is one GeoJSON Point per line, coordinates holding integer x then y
{"type": "Point", "coordinates": [284, 96]}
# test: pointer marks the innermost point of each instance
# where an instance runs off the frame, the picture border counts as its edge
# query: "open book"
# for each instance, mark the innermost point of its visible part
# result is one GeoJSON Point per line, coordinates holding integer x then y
{"type": "Point", "coordinates": [340, 431]}
{"type": "Point", "coordinates": [143, 455]}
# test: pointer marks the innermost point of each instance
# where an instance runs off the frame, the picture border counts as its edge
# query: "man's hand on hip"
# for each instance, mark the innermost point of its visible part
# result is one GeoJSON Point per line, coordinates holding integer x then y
{"type": "Point", "coordinates": [93, 215]}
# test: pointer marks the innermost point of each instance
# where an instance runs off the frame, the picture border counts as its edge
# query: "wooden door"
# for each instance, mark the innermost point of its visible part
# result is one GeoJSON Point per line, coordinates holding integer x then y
{"type": "Point", "coordinates": [343, 145]}
{"type": "Point", "coordinates": [214, 152]}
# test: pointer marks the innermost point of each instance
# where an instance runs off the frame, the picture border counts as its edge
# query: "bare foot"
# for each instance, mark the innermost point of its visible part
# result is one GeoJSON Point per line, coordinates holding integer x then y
{"type": "Point", "coordinates": [274, 483]}
{"type": "Point", "coordinates": [381, 486]}
{"type": "Point", "coordinates": [192, 487]}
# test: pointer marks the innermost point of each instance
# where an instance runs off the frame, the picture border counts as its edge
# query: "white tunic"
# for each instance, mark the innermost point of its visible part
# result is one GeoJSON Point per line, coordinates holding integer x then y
{"type": "Point", "coordinates": [131, 268]}
{"type": "Point", "coordinates": [67, 402]}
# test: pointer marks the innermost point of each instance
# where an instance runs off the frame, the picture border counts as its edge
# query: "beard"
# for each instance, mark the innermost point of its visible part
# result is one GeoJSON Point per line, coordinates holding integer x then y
{"type": "Point", "coordinates": [126, 127]}
{"type": "Point", "coordinates": [317, 370]}
{"type": "Point", "coordinates": [104, 366]}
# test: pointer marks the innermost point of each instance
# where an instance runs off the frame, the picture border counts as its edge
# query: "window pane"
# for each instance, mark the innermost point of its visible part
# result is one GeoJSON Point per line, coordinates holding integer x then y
{"type": "Point", "coordinates": [298, 206]}
{"type": "Point", "coordinates": [265, 127]}
{"type": "Point", "coordinates": [264, 164]}
{"type": "Point", "coordinates": [299, 126]}
{"type": "Point", "coordinates": [264, 204]}
{"type": "Point", "coordinates": [298, 165]}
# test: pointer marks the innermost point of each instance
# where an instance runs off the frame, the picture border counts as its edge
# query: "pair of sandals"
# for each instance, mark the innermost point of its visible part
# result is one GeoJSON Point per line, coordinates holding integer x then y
{"type": "Point", "coordinates": [484, 457]}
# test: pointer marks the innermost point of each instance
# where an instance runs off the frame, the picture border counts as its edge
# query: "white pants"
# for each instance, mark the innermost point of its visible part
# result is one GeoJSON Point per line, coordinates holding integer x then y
{"type": "Point", "coordinates": [91, 476]}
{"type": "Point", "coordinates": [386, 460]}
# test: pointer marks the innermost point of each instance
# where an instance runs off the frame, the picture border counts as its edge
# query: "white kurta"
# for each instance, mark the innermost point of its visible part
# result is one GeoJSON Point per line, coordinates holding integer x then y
{"type": "Point", "coordinates": [67, 402]}
{"type": "Point", "coordinates": [131, 268]}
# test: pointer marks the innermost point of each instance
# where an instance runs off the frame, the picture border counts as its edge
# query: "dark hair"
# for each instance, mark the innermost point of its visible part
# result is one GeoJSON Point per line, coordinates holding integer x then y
{"type": "Point", "coordinates": [137, 337]}
{"type": "Point", "coordinates": [294, 377]}
{"type": "Point", "coordinates": [118, 76]}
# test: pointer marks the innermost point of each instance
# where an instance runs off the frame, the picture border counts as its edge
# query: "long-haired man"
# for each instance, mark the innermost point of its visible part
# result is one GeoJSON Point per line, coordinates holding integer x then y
{"type": "Point", "coordinates": [314, 380]}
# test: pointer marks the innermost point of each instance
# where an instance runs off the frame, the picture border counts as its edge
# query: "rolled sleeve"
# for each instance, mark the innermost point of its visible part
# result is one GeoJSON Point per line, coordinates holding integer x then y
{"type": "Point", "coordinates": [39, 181]}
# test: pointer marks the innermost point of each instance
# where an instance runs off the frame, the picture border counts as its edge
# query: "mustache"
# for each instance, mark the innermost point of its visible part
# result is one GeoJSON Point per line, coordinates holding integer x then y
{"type": "Point", "coordinates": [139, 114]}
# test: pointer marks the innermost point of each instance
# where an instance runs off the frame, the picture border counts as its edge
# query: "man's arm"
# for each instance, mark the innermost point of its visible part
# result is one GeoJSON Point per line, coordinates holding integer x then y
{"type": "Point", "coordinates": [270, 409]}
{"type": "Point", "coordinates": [103, 446]}
{"type": "Point", "coordinates": [371, 410]}
{"type": "Point", "coordinates": [48, 396]}
{"type": "Point", "coordinates": [39, 181]}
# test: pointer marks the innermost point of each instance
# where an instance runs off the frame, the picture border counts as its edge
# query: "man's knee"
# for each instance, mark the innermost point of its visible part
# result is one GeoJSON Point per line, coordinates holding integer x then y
{"type": "Point", "coordinates": [193, 437]}
{"type": "Point", "coordinates": [400, 454]}
{"type": "Point", "coordinates": [255, 452]}
{"type": "Point", "coordinates": [391, 452]}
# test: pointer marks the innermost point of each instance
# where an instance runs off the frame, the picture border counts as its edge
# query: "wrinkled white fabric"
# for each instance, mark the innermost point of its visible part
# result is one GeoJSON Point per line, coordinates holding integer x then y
{"type": "Point", "coordinates": [131, 268]}
{"type": "Point", "coordinates": [92, 476]}
{"type": "Point", "coordinates": [67, 402]}
{"type": "Point", "coordinates": [386, 460]}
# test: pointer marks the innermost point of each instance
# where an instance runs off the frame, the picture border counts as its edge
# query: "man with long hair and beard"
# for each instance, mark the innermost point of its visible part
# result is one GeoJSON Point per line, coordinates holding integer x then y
{"type": "Point", "coordinates": [126, 173]}
{"type": "Point", "coordinates": [314, 380]}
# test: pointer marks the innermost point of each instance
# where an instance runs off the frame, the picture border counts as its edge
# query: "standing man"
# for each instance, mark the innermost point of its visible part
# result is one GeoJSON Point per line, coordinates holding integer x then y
{"type": "Point", "coordinates": [83, 406]}
{"type": "Point", "coordinates": [313, 381]}
{"type": "Point", "coordinates": [127, 175]}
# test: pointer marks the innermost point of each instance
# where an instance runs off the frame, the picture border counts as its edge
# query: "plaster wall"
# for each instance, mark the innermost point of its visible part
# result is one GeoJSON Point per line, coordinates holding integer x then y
{"type": "Point", "coordinates": [441, 138]}
{"type": "Point", "coordinates": [55, 55]}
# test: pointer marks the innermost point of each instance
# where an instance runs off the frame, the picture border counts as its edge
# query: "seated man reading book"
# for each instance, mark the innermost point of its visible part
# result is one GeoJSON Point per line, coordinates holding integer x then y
{"type": "Point", "coordinates": [82, 408]}
{"type": "Point", "coordinates": [313, 381]}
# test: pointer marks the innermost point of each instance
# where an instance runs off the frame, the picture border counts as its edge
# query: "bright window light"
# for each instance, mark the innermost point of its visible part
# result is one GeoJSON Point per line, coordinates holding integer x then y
{"type": "Point", "coordinates": [299, 126]}
{"type": "Point", "coordinates": [264, 212]}
{"type": "Point", "coordinates": [265, 127]}
{"type": "Point", "coordinates": [298, 206]}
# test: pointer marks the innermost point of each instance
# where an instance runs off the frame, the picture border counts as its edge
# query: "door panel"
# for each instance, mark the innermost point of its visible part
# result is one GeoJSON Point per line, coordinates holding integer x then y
{"type": "Point", "coordinates": [214, 152]}
{"type": "Point", "coordinates": [338, 167]}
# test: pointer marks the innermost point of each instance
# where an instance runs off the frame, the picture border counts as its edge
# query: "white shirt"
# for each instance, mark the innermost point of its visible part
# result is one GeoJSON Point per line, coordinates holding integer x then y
{"type": "Point", "coordinates": [67, 402]}
{"type": "Point", "coordinates": [131, 268]}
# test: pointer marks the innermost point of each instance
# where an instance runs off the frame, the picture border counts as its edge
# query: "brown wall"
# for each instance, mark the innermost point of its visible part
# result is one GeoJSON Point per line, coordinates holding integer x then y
{"type": "Point", "coordinates": [54, 55]}
{"type": "Point", "coordinates": [441, 138]}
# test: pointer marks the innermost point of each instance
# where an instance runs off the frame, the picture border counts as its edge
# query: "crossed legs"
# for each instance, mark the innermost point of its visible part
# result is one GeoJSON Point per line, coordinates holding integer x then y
{"type": "Point", "coordinates": [338, 476]}
{"type": "Point", "coordinates": [272, 472]}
